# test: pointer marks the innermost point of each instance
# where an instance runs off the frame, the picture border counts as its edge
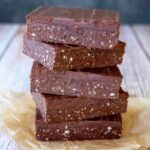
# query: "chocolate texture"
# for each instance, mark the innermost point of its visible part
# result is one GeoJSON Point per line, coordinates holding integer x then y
{"type": "Point", "coordinates": [93, 28]}
{"type": "Point", "coordinates": [98, 128]}
{"type": "Point", "coordinates": [56, 109]}
{"type": "Point", "coordinates": [60, 57]}
{"type": "Point", "coordinates": [96, 82]}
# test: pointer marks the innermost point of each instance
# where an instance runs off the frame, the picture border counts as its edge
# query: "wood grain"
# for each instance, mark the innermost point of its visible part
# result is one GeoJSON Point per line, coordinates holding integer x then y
{"type": "Point", "coordinates": [7, 33]}
{"type": "Point", "coordinates": [15, 67]}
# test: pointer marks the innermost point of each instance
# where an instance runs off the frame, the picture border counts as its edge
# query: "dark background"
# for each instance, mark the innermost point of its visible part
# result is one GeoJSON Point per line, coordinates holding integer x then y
{"type": "Point", "coordinates": [131, 11]}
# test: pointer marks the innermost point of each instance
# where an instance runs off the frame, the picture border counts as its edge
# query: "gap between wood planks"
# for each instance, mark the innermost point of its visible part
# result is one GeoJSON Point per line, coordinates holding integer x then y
{"type": "Point", "coordinates": [143, 37]}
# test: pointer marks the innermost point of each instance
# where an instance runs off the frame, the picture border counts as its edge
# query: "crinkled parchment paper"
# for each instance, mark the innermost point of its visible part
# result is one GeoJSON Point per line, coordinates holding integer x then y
{"type": "Point", "coordinates": [17, 113]}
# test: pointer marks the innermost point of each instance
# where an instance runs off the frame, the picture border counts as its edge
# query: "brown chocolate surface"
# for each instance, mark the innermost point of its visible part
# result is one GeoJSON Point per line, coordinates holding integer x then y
{"type": "Point", "coordinates": [61, 57]}
{"type": "Point", "coordinates": [95, 28]}
{"type": "Point", "coordinates": [56, 109]}
{"type": "Point", "coordinates": [98, 128]}
{"type": "Point", "coordinates": [96, 82]}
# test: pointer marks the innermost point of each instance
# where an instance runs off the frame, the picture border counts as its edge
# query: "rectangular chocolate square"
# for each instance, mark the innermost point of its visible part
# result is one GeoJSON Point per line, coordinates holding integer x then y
{"type": "Point", "coordinates": [60, 57]}
{"type": "Point", "coordinates": [93, 28]}
{"type": "Point", "coordinates": [96, 82]}
{"type": "Point", "coordinates": [56, 109]}
{"type": "Point", "coordinates": [99, 128]}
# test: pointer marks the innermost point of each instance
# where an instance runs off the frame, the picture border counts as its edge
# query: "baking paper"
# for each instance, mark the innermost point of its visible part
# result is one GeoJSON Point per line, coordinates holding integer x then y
{"type": "Point", "coordinates": [17, 115]}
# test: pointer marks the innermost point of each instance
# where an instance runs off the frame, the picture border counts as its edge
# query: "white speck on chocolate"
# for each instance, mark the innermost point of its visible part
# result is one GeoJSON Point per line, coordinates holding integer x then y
{"type": "Point", "coordinates": [47, 51]}
{"type": "Point", "coordinates": [71, 59]}
{"type": "Point", "coordinates": [37, 81]}
{"type": "Point", "coordinates": [104, 95]}
{"type": "Point", "coordinates": [62, 91]}
{"type": "Point", "coordinates": [57, 130]}
{"type": "Point", "coordinates": [89, 54]}
{"type": "Point", "coordinates": [108, 104]}
{"type": "Point", "coordinates": [113, 34]}
{"type": "Point", "coordinates": [78, 112]}
{"type": "Point", "coordinates": [110, 41]}
{"type": "Point", "coordinates": [94, 92]}
{"type": "Point", "coordinates": [60, 111]}
{"type": "Point", "coordinates": [68, 115]}
{"type": "Point", "coordinates": [84, 108]}
{"type": "Point", "coordinates": [36, 90]}
{"type": "Point", "coordinates": [67, 131]}
{"type": "Point", "coordinates": [102, 87]}
{"type": "Point", "coordinates": [112, 113]}
{"type": "Point", "coordinates": [112, 94]}
{"type": "Point", "coordinates": [102, 43]}
{"type": "Point", "coordinates": [54, 89]}
{"type": "Point", "coordinates": [66, 127]}
{"type": "Point", "coordinates": [110, 46]}
{"type": "Point", "coordinates": [104, 34]}
{"type": "Point", "coordinates": [64, 57]}
{"type": "Point", "coordinates": [51, 37]}
{"type": "Point", "coordinates": [92, 129]}
{"type": "Point", "coordinates": [87, 83]}
{"type": "Point", "coordinates": [109, 128]}
{"type": "Point", "coordinates": [74, 89]}
{"type": "Point", "coordinates": [91, 110]}
{"type": "Point", "coordinates": [90, 39]}
{"type": "Point", "coordinates": [73, 38]}
{"type": "Point", "coordinates": [46, 139]}
{"type": "Point", "coordinates": [98, 84]}
{"type": "Point", "coordinates": [33, 34]}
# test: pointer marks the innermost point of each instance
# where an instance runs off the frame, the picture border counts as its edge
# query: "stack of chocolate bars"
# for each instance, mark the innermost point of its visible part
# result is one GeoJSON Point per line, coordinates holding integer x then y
{"type": "Point", "coordinates": [75, 81]}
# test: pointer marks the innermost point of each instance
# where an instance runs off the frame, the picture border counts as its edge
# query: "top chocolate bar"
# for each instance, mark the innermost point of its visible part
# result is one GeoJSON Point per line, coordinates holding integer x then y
{"type": "Point", "coordinates": [93, 28]}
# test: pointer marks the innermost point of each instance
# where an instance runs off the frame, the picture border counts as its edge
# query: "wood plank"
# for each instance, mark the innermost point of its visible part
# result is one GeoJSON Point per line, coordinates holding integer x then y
{"type": "Point", "coordinates": [6, 143]}
{"type": "Point", "coordinates": [15, 67]}
{"type": "Point", "coordinates": [137, 77]}
{"type": "Point", "coordinates": [143, 37]}
{"type": "Point", "coordinates": [8, 32]}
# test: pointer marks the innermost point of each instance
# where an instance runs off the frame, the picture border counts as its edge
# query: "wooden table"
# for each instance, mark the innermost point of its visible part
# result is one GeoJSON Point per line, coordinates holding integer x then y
{"type": "Point", "coordinates": [15, 67]}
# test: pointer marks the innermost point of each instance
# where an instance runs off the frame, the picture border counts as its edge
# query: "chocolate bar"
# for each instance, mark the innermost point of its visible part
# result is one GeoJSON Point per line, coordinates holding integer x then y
{"type": "Point", "coordinates": [93, 28]}
{"type": "Point", "coordinates": [108, 127]}
{"type": "Point", "coordinates": [56, 109]}
{"type": "Point", "coordinates": [60, 57]}
{"type": "Point", "coordinates": [103, 83]}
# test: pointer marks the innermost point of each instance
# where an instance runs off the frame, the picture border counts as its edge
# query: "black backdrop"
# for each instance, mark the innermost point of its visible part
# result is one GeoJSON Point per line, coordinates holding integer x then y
{"type": "Point", "coordinates": [132, 11]}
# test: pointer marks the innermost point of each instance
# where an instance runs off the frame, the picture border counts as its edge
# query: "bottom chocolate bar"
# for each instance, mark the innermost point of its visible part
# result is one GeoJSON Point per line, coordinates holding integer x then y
{"type": "Point", "coordinates": [99, 128]}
